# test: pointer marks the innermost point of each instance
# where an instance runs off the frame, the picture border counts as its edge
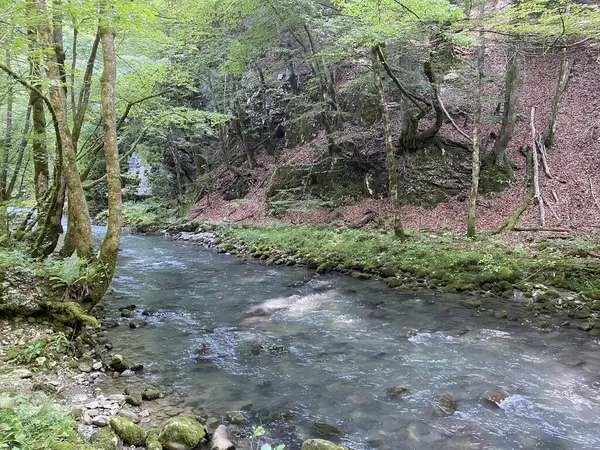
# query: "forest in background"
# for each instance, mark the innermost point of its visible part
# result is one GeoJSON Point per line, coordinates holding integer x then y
{"type": "Point", "coordinates": [360, 112]}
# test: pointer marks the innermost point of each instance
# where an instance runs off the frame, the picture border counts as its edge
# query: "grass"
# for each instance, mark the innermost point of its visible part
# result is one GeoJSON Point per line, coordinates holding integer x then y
{"type": "Point", "coordinates": [451, 259]}
{"type": "Point", "coordinates": [35, 422]}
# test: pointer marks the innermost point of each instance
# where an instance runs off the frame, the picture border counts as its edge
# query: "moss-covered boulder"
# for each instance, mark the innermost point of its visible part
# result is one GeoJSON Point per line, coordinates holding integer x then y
{"type": "Point", "coordinates": [106, 439]}
{"type": "Point", "coordinates": [152, 442]}
{"type": "Point", "coordinates": [131, 433]}
{"type": "Point", "coordinates": [181, 433]}
{"type": "Point", "coordinates": [237, 417]}
{"type": "Point", "coordinates": [582, 313]}
{"type": "Point", "coordinates": [471, 303]}
{"type": "Point", "coordinates": [118, 363]}
{"type": "Point", "coordinates": [321, 444]}
{"type": "Point", "coordinates": [324, 429]}
{"type": "Point", "coordinates": [150, 393]}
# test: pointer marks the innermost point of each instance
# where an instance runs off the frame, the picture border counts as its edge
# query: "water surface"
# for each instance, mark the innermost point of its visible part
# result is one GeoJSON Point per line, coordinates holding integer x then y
{"type": "Point", "coordinates": [229, 333]}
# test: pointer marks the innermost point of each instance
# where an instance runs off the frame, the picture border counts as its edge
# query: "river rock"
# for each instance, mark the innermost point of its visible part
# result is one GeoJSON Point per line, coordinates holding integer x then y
{"type": "Point", "coordinates": [131, 433]}
{"type": "Point", "coordinates": [181, 433]}
{"type": "Point", "coordinates": [494, 398]}
{"type": "Point", "coordinates": [118, 363]}
{"type": "Point", "coordinates": [106, 439]}
{"type": "Point", "coordinates": [150, 393]}
{"type": "Point", "coordinates": [236, 417]}
{"type": "Point", "coordinates": [152, 442]}
{"type": "Point", "coordinates": [129, 414]}
{"type": "Point", "coordinates": [320, 444]}
{"type": "Point", "coordinates": [446, 406]}
{"type": "Point", "coordinates": [134, 398]}
{"type": "Point", "coordinates": [220, 439]}
{"type": "Point", "coordinates": [324, 429]}
{"type": "Point", "coordinates": [23, 373]}
{"type": "Point", "coordinates": [396, 391]}
{"type": "Point", "coordinates": [84, 367]}
{"type": "Point", "coordinates": [100, 421]}
{"type": "Point", "coordinates": [138, 323]}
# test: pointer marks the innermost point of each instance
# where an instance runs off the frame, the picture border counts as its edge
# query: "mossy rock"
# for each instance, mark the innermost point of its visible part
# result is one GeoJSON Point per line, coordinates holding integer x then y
{"type": "Point", "coordinates": [150, 393]}
{"type": "Point", "coordinates": [595, 306]}
{"type": "Point", "coordinates": [505, 274]}
{"type": "Point", "coordinates": [324, 429]}
{"type": "Point", "coordinates": [393, 282]}
{"type": "Point", "coordinates": [595, 331]}
{"type": "Point", "coordinates": [542, 324]}
{"type": "Point", "coordinates": [152, 442]}
{"type": "Point", "coordinates": [324, 268]}
{"type": "Point", "coordinates": [583, 313]}
{"type": "Point", "coordinates": [237, 417]}
{"type": "Point", "coordinates": [280, 416]}
{"type": "Point", "coordinates": [502, 314]}
{"type": "Point", "coordinates": [494, 177]}
{"type": "Point", "coordinates": [131, 433]}
{"type": "Point", "coordinates": [105, 439]}
{"type": "Point", "coordinates": [137, 323]}
{"type": "Point", "coordinates": [471, 303]}
{"type": "Point", "coordinates": [181, 433]}
{"type": "Point", "coordinates": [593, 295]}
{"type": "Point", "coordinates": [321, 444]}
{"type": "Point", "coordinates": [361, 275]}
{"type": "Point", "coordinates": [552, 294]}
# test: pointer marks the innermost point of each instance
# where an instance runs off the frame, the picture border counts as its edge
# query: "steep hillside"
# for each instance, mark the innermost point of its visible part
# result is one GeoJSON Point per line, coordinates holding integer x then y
{"type": "Point", "coordinates": [571, 195]}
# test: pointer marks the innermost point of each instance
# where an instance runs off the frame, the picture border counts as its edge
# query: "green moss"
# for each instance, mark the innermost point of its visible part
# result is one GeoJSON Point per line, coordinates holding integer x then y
{"type": "Point", "coordinates": [152, 442]}
{"type": "Point", "coordinates": [595, 331]}
{"type": "Point", "coordinates": [105, 439]}
{"type": "Point", "coordinates": [494, 177]}
{"type": "Point", "coordinates": [182, 430]}
{"type": "Point", "coordinates": [320, 444]}
{"type": "Point", "coordinates": [593, 295]}
{"type": "Point", "coordinates": [583, 313]}
{"type": "Point", "coordinates": [70, 313]}
{"type": "Point", "coordinates": [542, 324]}
{"type": "Point", "coordinates": [471, 303]}
{"type": "Point", "coordinates": [131, 433]}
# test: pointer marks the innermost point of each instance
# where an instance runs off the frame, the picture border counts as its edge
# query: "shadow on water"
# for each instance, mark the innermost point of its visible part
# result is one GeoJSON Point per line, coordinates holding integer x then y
{"type": "Point", "coordinates": [227, 333]}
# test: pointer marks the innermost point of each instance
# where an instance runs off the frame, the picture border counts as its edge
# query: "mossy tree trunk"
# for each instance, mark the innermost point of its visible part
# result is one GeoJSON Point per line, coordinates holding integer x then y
{"type": "Point", "coordinates": [58, 101]}
{"type": "Point", "coordinates": [389, 149]}
{"type": "Point", "coordinates": [110, 243]}
{"type": "Point", "coordinates": [561, 86]}
{"type": "Point", "coordinates": [475, 163]}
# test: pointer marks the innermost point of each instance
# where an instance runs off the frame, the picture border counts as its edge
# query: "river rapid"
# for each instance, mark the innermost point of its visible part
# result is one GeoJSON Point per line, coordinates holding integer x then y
{"type": "Point", "coordinates": [229, 334]}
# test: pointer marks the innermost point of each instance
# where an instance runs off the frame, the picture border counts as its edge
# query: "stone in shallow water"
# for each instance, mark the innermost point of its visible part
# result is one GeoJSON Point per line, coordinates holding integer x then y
{"type": "Point", "coordinates": [236, 417]}
{"type": "Point", "coordinates": [320, 444]}
{"type": "Point", "coordinates": [324, 429]}
{"type": "Point", "coordinates": [445, 406]}
{"type": "Point", "coordinates": [131, 433]}
{"type": "Point", "coordinates": [181, 433]}
{"type": "Point", "coordinates": [396, 391]}
{"type": "Point", "coordinates": [494, 398]}
{"type": "Point", "coordinates": [129, 414]}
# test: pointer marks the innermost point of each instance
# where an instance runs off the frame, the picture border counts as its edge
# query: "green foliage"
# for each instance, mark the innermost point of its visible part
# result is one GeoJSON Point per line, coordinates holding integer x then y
{"type": "Point", "coordinates": [257, 434]}
{"type": "Point", "coordinates": [33, 351]}
{"type": "Point", "coordinates": [35, 423]}
{"type": "Point", "coordinates": [69, 273]}
{"type": "Point", "coordinates": [451, 259]}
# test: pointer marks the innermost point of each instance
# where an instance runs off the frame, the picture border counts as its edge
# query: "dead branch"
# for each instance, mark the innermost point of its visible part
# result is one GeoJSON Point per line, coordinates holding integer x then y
{"type": "Point", "coordinates": [594, 194]}
{"type": "Point", "coordinates": [536, 172]}
{"type": "Point", "coordinates": [554, 230]}
{"type": "Point", "coordinates": [551, 209]}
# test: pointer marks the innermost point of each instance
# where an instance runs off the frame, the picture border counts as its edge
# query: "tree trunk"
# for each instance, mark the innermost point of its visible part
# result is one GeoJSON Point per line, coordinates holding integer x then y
{"type": "Point", "coordinates": [389, 150]}
{"type": "Point", "coordinates": [110, 243]}
{"type": "Point", "coordinates": [509, 115]}
{"type": "Point", "coordinates": [41, 173]}
{"type": "Point", "coordinates": [475, 165]}
{"type": "Point", "coordinates": [20, 154]}
{"type": "Point", "coordinates": [77, 200]}
{"type": "Point", "coordinates": [561, 86]}
{"type": "Point", "coordinates": [6, 146]}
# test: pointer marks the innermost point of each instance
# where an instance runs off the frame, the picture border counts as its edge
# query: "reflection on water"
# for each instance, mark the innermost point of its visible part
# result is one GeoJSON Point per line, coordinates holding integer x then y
{"type": "Point", "coordinates": [228, 333]}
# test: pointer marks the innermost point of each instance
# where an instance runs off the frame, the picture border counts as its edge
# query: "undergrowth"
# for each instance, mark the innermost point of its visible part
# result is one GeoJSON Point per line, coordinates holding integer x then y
{"type": "Point", "coordinates": [447, 257]}
{"type": "Point", "coordinates": [36, 423]}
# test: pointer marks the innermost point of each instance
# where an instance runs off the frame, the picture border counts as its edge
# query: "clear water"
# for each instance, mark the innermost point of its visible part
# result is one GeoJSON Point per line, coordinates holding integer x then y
{"type": "Point", "coordinates": [347, 341]}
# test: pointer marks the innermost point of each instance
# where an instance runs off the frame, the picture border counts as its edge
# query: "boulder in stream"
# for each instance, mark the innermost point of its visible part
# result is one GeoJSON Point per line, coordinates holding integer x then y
{"type": "Point", "coordinates": [131, 433]}
{"type": "Point", "coordinates": [118, 363]}
{"type": "Point", "coordinates": [150, 393]}
{"type": "Point", "coordinates": [181, 433]}
{"type": "Point", "coordinates": [106, 439]}
{"type": "Point", "coordinates": [236, 418]}
{"type": "Point", "coordinates": [221, 440]}
{"type": "Point", "coordinates": [321, 444]}
{"type": "Point", "coordinates": [445, 406]}
{"type": "Point", "coordinates": [324, 429]}
{"type": "Point", "coordinates": [494, 398]}
{"type": "Point", "coordinates": [396, 391]}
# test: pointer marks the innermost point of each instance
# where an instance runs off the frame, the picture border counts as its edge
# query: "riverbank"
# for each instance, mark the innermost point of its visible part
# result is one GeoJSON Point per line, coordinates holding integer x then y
{"type": "Point", "coordinates": [558, 279]}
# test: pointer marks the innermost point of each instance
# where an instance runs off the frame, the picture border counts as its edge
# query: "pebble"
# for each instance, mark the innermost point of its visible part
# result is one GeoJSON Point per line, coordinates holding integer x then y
{"type": "Point", "coordinates": [100, 421]}
{"type": "Point", "coordinates": [92, 405]}
{"type": "Point", "coordinates": [85, 368]}
{"type": "Point", "coordinates": [144, 413]}
{"type": "Point", "coordinates": [97, 366]}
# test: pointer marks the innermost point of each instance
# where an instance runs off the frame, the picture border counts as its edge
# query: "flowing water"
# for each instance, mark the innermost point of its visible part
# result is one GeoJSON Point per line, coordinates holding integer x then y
{"type": "Point", "coordinates": [227, 333]}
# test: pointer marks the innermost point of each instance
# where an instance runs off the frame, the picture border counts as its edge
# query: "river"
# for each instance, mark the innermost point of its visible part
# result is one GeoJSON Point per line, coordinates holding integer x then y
{"type": "Point", "coordinates": [227, 333]}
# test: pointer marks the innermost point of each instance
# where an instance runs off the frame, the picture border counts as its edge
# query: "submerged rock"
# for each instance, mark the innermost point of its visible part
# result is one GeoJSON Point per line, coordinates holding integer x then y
{"type": "Point", "coordinates": [324, 429]}
{"type": "Point", "coordinates": [138, 323]}
{"type": "Point", "coordinates": [134, 398]}
{"type": "Point", "coordinates": [321, 444]}
{"type": "Point", "coordinates": [150, 393]}
{"type": "Point", "coordinates": [220, 439]}
{"type": "Point", "coordinates": [396, 391]}
{"type": "Point", "coordinates": [471, 303]}
{"type": "Point", "coordinates": [494, 398]}
{"type": "Point", "coordinates": [446, 406]}
{"type": "Point", "coordinates": [236, 418]}
{"type": "Point", "coordinates": [131, 433]}
{"type": "Point", "coordinates": [181, 433]}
